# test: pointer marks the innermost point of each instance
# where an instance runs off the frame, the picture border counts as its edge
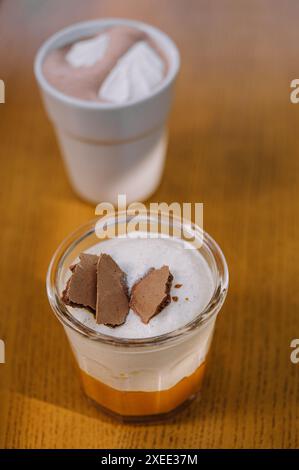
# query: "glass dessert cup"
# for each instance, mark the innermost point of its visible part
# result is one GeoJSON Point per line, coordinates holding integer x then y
{"type": "Point", "coordinates": [144, 379]}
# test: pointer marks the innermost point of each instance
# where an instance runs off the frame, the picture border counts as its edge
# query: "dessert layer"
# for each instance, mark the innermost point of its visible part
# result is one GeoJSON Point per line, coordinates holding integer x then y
{"type": "Point", "coordinates": [136, 403]}
{"type": "Point", "coordinates": [158, 367]}
{"type": "Point", "coordinates": [192, 285]}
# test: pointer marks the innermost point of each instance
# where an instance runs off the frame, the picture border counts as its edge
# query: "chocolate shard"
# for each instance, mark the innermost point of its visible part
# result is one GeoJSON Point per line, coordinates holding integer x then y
{"type": "Point", "coordinates": [80, 290]}
{"type": "Point", "coordinates": [112, 293]}
{"type": "Point", "coordinates": [150, 294]}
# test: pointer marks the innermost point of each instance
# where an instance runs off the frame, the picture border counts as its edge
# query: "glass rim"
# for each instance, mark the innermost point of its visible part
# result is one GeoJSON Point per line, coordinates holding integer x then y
{"type": "Point", "coordinates": [67, 319]}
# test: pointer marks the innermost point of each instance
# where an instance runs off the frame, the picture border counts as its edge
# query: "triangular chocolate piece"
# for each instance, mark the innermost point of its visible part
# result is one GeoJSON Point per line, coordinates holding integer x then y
{"type": "Point", "coordinates": [112, 293]}
{"type": "Point", "coordinates": [81, 287]}
{"type": "Point", "coordinates": [151, 293]}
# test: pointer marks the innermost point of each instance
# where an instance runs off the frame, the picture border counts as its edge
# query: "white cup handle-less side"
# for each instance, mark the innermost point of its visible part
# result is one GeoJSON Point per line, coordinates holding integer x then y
{"type": "Point", "coordinates": [111, 149]}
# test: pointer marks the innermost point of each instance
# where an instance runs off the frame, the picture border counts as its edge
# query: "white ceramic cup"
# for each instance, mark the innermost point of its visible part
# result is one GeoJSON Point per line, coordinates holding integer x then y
{"type": "Point", "coordinates": [110, 149]}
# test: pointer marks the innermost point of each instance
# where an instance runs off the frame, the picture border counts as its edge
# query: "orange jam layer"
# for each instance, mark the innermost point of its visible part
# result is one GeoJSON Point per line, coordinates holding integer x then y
{"type": "Point", "coordinates": [135, 403]}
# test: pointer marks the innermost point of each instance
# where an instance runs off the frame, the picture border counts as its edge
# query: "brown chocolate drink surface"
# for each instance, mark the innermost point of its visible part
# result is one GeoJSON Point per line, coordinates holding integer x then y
{"type": "Point", "coordinates": [84, 82]}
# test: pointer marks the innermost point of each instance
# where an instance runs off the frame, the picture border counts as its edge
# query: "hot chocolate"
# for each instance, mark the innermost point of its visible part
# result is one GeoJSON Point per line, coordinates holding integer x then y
{"type": "Point", "coordinates": [119, 65]}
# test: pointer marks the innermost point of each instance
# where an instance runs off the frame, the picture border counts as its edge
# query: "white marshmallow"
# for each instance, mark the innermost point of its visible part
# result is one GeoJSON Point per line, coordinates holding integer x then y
{"type": "Point", "coordinates": [86, 53]}
{"type": "Point", "coordinates": [136, 74]}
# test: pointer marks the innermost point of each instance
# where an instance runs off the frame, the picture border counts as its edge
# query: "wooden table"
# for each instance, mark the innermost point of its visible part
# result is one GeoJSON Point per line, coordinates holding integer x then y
{"type": "Point", "coordinates": [234, 146]}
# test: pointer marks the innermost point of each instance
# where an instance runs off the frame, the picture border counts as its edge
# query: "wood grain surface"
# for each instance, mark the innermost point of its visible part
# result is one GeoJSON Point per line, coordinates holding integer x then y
{"type": "Point", "coordinates": [233, 146]}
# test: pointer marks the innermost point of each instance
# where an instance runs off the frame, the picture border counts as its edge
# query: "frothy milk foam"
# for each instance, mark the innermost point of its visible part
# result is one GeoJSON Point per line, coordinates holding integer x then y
{"type": "Point", "coordinates": [136, 256]}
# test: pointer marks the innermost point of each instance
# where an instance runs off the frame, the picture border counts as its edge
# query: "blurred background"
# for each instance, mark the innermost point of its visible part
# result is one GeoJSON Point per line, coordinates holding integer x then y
{"type": "Point", "coordinates": [233, 146]}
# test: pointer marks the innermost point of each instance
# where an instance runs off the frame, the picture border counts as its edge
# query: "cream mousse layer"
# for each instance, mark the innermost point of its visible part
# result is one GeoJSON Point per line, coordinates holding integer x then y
{"type": "Point", "coordinates": [157, 367]}
{"type": "Point", "coordinates": [120, 64]}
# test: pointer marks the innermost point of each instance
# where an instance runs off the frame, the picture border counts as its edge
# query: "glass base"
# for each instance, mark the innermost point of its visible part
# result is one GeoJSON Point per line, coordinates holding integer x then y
{"type": "Point", "coordinates": [145, 419]}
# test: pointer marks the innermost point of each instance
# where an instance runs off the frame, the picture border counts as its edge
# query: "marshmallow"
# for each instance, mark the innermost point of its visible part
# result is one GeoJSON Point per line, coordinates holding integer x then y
{"type": "Point", "coordinates": [86, 53]}
{"type": "Point", "coordinates": [136, 74]}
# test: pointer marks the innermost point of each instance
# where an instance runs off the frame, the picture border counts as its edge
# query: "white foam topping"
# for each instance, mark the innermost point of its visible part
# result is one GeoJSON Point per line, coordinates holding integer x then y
{"type": "Point", "coordinates": [136, 256]}
{"type": "Point", "coordinates": [138, 72]}
{"type": "Point", "coordinates": [134, 76]}
{"type": "Point", "coordinates": [86, 53]}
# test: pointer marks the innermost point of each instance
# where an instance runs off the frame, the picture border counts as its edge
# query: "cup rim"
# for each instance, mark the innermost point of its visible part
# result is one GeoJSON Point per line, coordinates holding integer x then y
{"type": "Point", "coordinates": [97, 105]}
{"type": "Point", "coordinates": [61, 311]}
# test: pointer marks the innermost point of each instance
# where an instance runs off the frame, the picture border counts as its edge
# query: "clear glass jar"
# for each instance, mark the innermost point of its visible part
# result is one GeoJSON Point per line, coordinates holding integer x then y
{"type": "Point", "coordinates": [139, 379]}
